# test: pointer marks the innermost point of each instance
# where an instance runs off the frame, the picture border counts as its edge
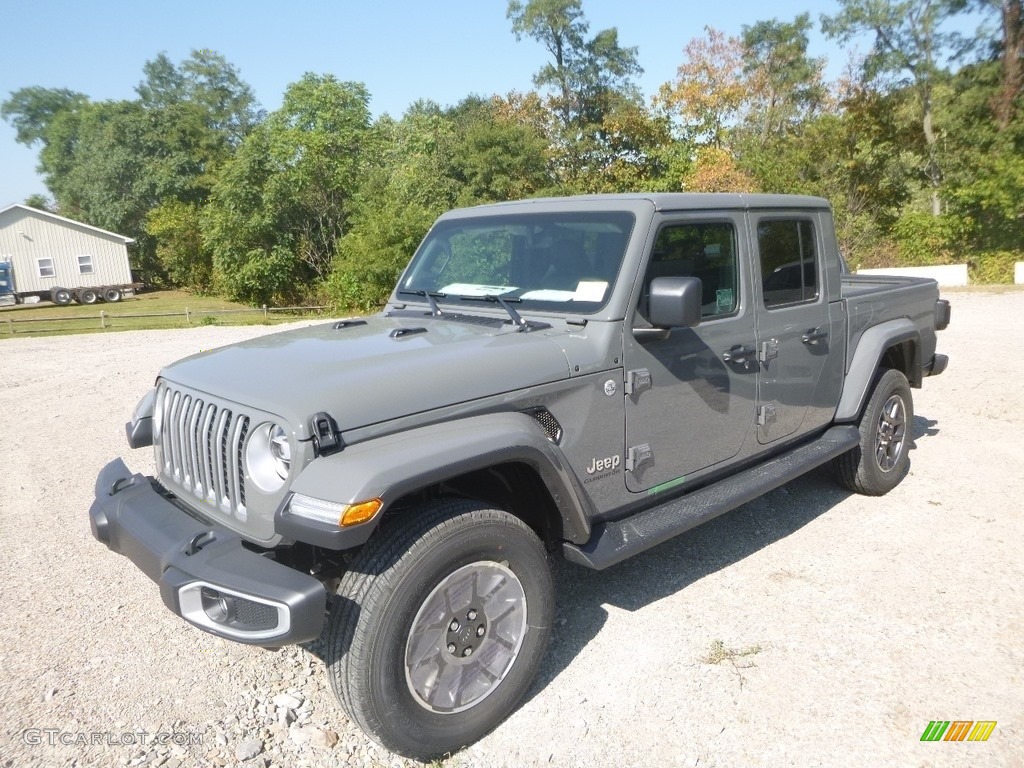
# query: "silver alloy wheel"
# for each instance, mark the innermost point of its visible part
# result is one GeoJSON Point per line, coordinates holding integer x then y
{"type": "Point", "coordinates": [891, 434]}
{"type": "Point", "coordinates": [465, 637]}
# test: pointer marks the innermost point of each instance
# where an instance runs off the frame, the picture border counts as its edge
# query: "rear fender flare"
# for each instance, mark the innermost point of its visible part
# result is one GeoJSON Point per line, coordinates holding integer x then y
{"type": "Point", "coordinates": [870, 349]}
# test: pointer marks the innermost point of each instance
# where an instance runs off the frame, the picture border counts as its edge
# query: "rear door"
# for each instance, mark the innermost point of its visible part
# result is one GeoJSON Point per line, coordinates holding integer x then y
{"type": "Point", "coordinates": [690, 397]}
{"type": "Point", "coordinates": [796, 326]}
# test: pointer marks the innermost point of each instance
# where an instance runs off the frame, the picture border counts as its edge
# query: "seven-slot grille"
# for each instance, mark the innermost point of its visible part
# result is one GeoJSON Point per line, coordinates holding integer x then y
{"type": "Point", "coordinates": [200, 448]}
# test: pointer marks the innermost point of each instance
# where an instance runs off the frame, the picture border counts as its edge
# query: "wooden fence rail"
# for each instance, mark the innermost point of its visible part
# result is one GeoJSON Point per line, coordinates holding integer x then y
{"type": "Point", "coordinates": [105, 317]}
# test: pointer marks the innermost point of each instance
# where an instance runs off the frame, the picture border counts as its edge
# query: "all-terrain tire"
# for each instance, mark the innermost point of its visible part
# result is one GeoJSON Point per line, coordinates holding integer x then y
{"type": "Point", "coordinates": [882, 459]}
{"type": "Point", "coordinates": [390, 639]}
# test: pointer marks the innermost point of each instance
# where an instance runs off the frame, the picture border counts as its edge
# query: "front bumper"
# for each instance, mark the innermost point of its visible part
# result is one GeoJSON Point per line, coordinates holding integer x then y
{"type": "Point", "coordinates": [205, 574]}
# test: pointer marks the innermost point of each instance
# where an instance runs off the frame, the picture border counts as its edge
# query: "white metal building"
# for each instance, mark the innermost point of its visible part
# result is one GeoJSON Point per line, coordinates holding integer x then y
{"type": "Point", "coordinates": [46, 251]}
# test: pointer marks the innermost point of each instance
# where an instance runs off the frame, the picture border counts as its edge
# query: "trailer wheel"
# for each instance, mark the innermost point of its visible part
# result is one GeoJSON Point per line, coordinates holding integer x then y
{"type": "Point", "coordinates": [112, 295]}
{"type": "Point", "coordinates": [88, 296]}
{"type": "Point", "coordinates": [61, 296]}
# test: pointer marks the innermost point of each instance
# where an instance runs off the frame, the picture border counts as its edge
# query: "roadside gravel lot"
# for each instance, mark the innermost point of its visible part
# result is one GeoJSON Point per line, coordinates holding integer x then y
{"type": "Point", "coordinates": [840, 625]}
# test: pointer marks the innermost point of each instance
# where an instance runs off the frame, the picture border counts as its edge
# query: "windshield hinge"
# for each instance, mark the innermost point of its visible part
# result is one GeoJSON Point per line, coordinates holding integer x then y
{"type": "Point", "coordinates": [637, 455]}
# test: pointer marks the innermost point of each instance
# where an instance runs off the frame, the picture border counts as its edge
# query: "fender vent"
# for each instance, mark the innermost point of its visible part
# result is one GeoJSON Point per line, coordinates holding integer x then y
{"type": "Point", "coordinates": [548, 423]}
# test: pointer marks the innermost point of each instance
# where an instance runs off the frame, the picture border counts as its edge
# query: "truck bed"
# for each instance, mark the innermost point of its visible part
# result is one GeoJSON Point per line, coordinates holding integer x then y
{"type": "Point", "coordinates": [874, 299]}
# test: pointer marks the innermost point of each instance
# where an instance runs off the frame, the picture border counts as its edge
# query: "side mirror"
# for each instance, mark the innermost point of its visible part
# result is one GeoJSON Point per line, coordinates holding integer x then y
{"type": "Point", "coordinates": [675, 302]}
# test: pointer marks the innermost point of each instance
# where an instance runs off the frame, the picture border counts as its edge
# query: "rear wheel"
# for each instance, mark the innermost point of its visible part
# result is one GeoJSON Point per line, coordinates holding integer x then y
{"type": "Point", "coordinates": [440, 627]}
{"type": "Point", "coordinates": [61, 296]}
{"type": "Point", "coordinates": [88, 296]}
{"type": "Point", "coordinates": [112, 295]}
{"type": "Point", "coordinates": [882, 459]}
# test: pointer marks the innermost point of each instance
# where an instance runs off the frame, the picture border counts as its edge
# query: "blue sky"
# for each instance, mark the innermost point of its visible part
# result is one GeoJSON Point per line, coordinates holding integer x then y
{"type": "Point", "coordinates": [402, 50]}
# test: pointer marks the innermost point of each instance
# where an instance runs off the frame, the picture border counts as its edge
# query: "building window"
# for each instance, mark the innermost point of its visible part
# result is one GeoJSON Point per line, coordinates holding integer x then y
{"type": "Point", "coordinates": [45, 267]}
{"type": "Point", "coordinates": [85, 265]}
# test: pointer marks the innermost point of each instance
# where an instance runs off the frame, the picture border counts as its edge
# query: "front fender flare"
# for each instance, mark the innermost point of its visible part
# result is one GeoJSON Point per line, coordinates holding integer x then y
{"type": "Point", "coordinates": [392, 466]}
{"type": "Point", "coordinates": [870, 349]}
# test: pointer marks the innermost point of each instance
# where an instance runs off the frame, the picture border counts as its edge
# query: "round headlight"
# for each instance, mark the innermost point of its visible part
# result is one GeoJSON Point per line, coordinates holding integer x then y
{"type": "Point", "coordinates": [281, 450]}
{"type": "Point", "coordinates": [268, 456]}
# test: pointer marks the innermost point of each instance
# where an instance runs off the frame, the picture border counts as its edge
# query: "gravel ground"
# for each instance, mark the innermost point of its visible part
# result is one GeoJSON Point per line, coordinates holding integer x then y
{"type": "Point", "coordinates": [808, 628]}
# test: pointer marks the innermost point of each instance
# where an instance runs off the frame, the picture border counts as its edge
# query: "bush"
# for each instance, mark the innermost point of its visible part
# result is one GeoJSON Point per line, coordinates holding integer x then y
{"type": "Point", "coordinates": [992, 267]}
{"type": "Point", "coordinates": [923, 240]}
{"type": "Point", "coordinates": [373, 254]}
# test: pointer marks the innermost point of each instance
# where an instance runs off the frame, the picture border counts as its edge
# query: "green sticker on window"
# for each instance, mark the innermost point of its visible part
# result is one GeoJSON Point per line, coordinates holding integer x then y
{"type": "Point", "coordinates": [723, 298]}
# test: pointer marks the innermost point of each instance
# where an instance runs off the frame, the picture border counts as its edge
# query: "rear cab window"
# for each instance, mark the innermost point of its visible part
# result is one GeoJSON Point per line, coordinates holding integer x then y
{"type": "Point", "coordinates": [789, 260]}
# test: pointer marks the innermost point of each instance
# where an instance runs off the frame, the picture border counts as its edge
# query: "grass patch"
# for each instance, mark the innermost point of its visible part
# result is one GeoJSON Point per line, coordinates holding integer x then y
{"type": "Point", "coordinates": [719, 653]}
{"type": "Point", "coordinates": [151, 310]}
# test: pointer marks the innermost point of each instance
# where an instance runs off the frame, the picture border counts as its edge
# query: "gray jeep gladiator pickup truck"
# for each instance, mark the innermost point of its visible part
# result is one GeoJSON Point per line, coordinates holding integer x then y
{"type": "Point", "coordinates": [587, 376]}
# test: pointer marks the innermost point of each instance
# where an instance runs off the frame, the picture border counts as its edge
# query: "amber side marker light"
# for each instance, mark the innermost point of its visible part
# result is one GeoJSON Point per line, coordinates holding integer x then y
{"type": "Point", "coordinates": [332, 512]}
{"type": "Point", "coordinates": [362, 512]}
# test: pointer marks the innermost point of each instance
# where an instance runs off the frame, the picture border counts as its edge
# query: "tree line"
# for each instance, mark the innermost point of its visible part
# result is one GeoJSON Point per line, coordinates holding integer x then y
{"type": "Point", "coordinates": [919, 146]}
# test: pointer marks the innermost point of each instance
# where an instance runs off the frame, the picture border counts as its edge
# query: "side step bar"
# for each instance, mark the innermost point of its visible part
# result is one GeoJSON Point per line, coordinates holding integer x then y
{"type": "Point", "coordinates": [611, 543]}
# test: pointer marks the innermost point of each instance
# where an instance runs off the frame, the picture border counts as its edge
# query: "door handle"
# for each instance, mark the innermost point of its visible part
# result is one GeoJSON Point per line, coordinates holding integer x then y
{"type": "Point", "coordinates": [814, 335]}
{"type": "Point", "coordinates": [739, 354]}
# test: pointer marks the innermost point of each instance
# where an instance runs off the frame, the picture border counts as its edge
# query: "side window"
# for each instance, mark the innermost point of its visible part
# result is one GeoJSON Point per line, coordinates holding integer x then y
{"type": "Point", "coordinates": [85, 265]}
{"type": "Point", "coordinates": [699, 249]}
{"type": "Point", "coordinates": [789, 261]}
{"type": "Point", "coordinates": [45, 267]}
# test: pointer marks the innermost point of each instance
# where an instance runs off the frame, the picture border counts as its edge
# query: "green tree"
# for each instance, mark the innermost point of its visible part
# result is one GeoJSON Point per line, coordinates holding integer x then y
{"type": "Point", "coordinates": [985, 168]}
{"type": "Point", "coordinates": [908, 39]}
{"type": "Point", "coordinates": [588, 79]}
{"type": "Point", "coordinates": [176, 227]}
{"type": "Point", "coordinates": [495, 158]}
{"type": "Point", "coordinates": [583, 71]}
{"type": "Point", "coordinates": [786, 83]}
{"type": "Point", "coordinates": [40, 202]}
{"type": "Point", "coordinates": [209, 83]}
{"type": "Point", "coordinates": [282, 202]}
{"type": "Point", "coordinates": [31, 111]}
{"type": "Point", "coordinates": [407, 181]}
{"type": "Point", "coordinates": [111, 163]}
{"type": "Point", "coordinates": [1010, 48]}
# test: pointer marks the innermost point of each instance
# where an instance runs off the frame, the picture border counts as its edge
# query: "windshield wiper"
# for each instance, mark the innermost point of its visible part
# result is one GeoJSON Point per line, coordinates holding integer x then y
{"type": "Point", "coordinates": [517, 319]}
{"type": "Point", "coordinates": [429, 296]}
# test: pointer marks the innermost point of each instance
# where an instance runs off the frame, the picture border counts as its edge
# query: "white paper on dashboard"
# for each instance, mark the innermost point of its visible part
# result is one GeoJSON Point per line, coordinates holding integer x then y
{"type": "Point", "coordinates": [590, 290]}
{"type": "Point", "coordinates": [471, 289]}
{"type": "Point", "coordinates": [549, 294]}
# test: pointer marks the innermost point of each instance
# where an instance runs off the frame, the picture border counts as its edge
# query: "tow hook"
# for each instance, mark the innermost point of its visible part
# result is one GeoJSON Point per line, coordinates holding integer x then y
{"type": "Point", "coordinates": [120, 484]}
{"type": "Point", "coordinates": [198, 541]}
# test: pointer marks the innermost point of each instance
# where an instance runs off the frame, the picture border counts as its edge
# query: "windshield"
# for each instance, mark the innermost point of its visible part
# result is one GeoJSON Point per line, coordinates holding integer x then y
{"type": "Point", "coordinates": [544, 261]}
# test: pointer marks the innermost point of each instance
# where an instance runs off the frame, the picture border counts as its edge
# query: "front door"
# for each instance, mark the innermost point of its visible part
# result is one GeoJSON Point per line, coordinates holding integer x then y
{"type": "Point", "coordinates": [796, 327]}
{"type": "Point", "coordinates": [690, 397]}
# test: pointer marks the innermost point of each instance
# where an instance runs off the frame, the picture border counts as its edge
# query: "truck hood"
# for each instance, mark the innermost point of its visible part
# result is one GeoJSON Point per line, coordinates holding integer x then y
{"type": "Point", "coordinates": [362, 374]}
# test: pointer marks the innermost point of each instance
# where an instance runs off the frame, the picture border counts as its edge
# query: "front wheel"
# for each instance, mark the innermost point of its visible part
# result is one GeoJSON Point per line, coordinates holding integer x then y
{"type": "Point", "coordinates": [882, 459]}
{"type": "Point", "coordinates": [440, 626]}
